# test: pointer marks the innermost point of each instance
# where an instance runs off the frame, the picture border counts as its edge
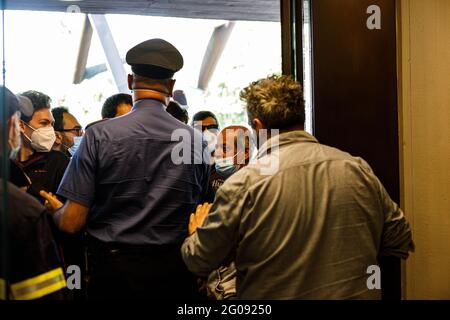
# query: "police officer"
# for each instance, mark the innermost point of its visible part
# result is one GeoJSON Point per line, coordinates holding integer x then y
{"type": "Point", "coordinates": [134, 200]}
{"type": "Point", "coordinates": [34, 264]}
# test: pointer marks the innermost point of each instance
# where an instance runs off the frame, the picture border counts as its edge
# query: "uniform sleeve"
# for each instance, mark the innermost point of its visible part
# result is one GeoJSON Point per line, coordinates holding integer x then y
{"type": "Point", "coordinates": [206, 173]}
{"type": "Point", "coordinates": [217, 239]}
{"type": "Point", "coordinates": [36, 269]}
{"type": "Point", "coordinates": [78, 183]}
{"type": "Point", "coordinates": [207, 195]}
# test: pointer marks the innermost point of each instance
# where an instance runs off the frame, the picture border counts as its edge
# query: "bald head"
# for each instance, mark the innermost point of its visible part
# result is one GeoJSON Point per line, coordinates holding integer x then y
{"type": "Point", "coordinates": [234, 141]}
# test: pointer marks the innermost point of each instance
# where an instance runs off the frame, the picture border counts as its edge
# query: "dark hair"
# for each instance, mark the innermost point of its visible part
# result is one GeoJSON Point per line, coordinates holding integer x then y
{"type": "Point", "coordinates": [202, 115]}
{"type": "Point", "coordinates": [58, 114]}
{"type": "Point", "coordinates": [39, 100]}
{"type": "Point", "coordinates": [139, 80]}
{"type": "Point", "coordinates": [109, 109]}
{"type": "Point", "coordinates": [277, 101]}
{"type": "Point", "coordinates": [177, 111]}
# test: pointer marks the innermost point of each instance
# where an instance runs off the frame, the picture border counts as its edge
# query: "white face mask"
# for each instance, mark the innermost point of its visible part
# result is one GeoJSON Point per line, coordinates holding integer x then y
{"type": "Point", "coordinates": [211, 138]}
{"type": "Point", "coordinates": [42, 139]}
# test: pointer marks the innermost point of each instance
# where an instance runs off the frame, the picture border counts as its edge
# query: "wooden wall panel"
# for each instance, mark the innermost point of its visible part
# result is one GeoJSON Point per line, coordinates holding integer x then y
{"type": "Point", "coordinates": [355, 94]}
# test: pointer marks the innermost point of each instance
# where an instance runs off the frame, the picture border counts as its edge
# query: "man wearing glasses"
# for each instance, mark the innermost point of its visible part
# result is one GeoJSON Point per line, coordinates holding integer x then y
{"type": "Point", "coordinates": [207, 122]}
{"type": "Point", "coordinates": [68, 131]}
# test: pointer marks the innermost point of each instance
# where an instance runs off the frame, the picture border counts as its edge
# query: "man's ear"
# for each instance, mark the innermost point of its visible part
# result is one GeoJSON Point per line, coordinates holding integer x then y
{"type": "Point", "coordinates": [247, 156]}
{"type": "Point", "coordinates": [171, 86]}
{"type": "Point", "coordinates": [258, 124]}
{"type": "Point", "coordinates": [59, 138]}
{"type": "Point", "coordinates": [130, 81]}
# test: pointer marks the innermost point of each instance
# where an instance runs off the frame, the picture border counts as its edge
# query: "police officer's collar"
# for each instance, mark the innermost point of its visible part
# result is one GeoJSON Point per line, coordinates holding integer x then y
{"type": "Point", "coordinates": [148, 103]}
{"type": "Point", "coordinates": [153, 94]}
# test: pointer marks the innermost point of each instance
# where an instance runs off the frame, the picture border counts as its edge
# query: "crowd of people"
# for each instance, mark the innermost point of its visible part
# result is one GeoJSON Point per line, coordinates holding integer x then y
{"type": "Point", "coordinates": [115, 199]}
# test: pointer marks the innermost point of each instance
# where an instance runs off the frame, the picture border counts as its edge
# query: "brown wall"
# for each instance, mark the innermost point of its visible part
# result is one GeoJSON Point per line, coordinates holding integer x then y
{"type": "Point", "coordinates": [355, 94]}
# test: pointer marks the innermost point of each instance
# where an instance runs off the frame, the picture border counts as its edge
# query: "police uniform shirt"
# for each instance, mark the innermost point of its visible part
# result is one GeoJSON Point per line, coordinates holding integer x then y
{"type": "Point", "coordinates": [34, 263]}
{"type": "Point", "coordinates": [124, 173]}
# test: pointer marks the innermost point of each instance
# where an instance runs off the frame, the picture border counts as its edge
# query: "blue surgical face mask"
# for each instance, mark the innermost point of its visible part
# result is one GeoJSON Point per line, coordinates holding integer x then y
{"type": "Point", "coordinates": [226, 167]}
{"type": "Point", "coordinates": [76, 144]}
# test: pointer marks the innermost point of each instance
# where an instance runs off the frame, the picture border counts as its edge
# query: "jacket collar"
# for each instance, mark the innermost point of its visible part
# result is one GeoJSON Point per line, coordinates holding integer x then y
{"type": "Point", "coordinates": [285, 139]}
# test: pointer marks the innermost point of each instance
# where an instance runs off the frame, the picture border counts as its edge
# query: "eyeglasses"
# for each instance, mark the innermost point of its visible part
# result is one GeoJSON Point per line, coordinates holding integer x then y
{"type": "Point", "coordinates": [210, 127]}
{"type": "Point", "coordinates": [78, 130]}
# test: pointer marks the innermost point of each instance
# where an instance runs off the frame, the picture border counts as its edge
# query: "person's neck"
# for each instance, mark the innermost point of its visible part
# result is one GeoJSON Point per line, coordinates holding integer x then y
{"type": "Point", "coordinates": [153, 95]}
{"type": "Point", "coordinates": [25, 152]}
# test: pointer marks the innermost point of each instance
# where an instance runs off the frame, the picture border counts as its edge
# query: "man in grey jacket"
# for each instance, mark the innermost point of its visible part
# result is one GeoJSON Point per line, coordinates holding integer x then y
{"type": "Point", "coordinates": [310, 229]}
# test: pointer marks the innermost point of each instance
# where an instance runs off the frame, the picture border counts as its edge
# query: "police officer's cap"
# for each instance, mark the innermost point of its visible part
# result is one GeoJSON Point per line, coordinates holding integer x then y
{"type": "Point", "coordinates": [155, 58]}
{"type": "Point", "coordinates": [16, 103]}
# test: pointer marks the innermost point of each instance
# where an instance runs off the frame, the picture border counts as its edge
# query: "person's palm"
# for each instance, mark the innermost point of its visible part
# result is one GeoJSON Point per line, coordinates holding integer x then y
{"type": "Point", "coordinates": [196, 219]}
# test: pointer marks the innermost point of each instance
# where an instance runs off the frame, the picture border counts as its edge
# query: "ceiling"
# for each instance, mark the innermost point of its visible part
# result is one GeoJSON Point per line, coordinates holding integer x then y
{"type": "Point", "coordinates": [253, 10]}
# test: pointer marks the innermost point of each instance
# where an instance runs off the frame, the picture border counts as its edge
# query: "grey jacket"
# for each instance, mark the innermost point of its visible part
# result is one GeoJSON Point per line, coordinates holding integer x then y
{"type": "Point", "coordinates": [310, 230]}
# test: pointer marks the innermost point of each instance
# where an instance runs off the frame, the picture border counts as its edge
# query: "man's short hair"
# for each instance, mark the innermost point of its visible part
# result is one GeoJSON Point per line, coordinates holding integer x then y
{"type": "Point", "coordinates": [39, 100]}
{"type": "Point", "coordinates": [109, 109]}
{"type": "Point", "coordinates": [277, 101]}
{"type": "Point", "coordinates": [202, 115]}
{"type": "Point", "coordinates": [147, 81]}
{"type": "Point", "coordinates": [58, 114]}
{"type": "Point", "coordinates": [177, 111]}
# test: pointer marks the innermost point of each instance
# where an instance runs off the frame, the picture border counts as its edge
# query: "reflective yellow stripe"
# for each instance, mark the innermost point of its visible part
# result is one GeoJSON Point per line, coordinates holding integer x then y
{"type": "Point", "coordinates": [39, 286]}
{"type": "Point", "coordinates": [2, 289]}
{"type": "Point", "coordinates": [41, 292]}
